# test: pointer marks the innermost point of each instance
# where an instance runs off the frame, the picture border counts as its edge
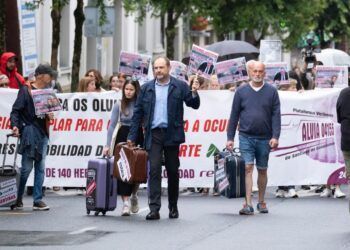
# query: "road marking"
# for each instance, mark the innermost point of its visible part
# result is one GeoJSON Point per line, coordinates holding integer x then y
{"type": "Point", "coordinates": [14, 213]}
{"type": "Point", "coordinates": [83, 230]}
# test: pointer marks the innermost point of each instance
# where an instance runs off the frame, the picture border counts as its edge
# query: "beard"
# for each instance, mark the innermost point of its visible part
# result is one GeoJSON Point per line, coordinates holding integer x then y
{"type": "Point", "coordinates": [257, 79]}
{"type": "Point", "coordinates": [160, 77]}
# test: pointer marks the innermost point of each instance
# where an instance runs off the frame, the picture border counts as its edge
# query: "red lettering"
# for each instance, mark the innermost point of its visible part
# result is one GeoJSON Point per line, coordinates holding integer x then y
{"type": "Point", "coordinates": [190, 150]}
{"type": "Point", "coordinates": [89, 125]}
{"type": "Point", "coordinates": [61, 124]}
{"type": "Point", "coordinates": [206, 126]}
{"type": "Point", "coordinates": [215, 125]}
{"type": "Point", "coordinates": [5, 122]}
{"type": "Point", "coordinates": [195, 127]}
{"type": "Point", "coordinates": [186, 126]}
{"type": "Point", "coordinates": [92, 125]}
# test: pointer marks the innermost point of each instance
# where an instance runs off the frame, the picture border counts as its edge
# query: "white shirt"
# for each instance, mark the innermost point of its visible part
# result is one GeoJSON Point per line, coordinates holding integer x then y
{"type": "Point", "coordinates": [256, 88]}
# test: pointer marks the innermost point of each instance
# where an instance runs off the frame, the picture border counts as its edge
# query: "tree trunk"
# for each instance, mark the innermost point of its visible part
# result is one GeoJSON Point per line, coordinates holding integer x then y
{"type": "Point", "coordinates": [78, 40]}
{"type": "Point", "coordinates": [12, 32]}
{"type": "Point", "coordinates": [2, 26]}
{"type": "Point", "coordinates": [170, 32]}
{"type": "Point", "coordinates": [162, 22]}
{"type": "Point", "coordinates": [56, 27]}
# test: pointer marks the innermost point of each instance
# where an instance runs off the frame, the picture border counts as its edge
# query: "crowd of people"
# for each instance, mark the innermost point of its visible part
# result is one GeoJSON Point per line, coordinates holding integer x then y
{"type": "Point", "coordinates": [157, 127]}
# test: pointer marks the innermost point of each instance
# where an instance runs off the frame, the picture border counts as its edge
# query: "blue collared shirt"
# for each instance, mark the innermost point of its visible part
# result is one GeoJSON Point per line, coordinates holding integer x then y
{"type": "Point", "coordinates": [160, 117]}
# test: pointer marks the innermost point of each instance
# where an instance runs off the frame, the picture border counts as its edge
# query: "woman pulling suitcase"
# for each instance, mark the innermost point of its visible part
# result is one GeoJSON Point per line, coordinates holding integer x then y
{"type": "Point", "coordinates": [117, 132]}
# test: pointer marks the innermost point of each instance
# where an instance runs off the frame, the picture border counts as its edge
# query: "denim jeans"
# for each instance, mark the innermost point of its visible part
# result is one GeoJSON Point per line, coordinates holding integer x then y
{"type": "Point", "coordinates": [39, 173]}
{"type": "Point", "coordinates": [253, 148]}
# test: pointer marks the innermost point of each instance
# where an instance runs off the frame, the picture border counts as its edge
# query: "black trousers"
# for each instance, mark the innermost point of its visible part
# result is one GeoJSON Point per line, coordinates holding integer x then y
{"type": "Point", "coordinates": [172, 163]}
{"type": "Point", "coordinates": [125, 189]}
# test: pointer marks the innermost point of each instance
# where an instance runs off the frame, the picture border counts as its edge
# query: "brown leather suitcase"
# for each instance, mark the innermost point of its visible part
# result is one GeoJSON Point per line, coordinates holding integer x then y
{"type": "Point", "coordinates": [136, 158]}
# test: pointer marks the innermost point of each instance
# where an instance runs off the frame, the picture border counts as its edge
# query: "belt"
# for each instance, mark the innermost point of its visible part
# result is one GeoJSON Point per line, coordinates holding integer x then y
{"type": "Point", "coordinates": [163, 130]}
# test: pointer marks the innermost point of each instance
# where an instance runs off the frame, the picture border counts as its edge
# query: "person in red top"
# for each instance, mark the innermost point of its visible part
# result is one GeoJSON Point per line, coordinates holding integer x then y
{"type": "Point", "coordinates": [8, 67]}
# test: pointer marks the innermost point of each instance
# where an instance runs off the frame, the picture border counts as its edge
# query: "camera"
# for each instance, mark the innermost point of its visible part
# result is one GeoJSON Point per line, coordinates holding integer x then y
{"type": "Point", "coordinates": [308, 54]}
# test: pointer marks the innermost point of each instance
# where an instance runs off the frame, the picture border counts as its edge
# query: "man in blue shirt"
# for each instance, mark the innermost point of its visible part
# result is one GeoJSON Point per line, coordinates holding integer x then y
{"type": "Point", "coordinates": [160, 107]}
{"type": "Point", "coordinates": [257, 108]}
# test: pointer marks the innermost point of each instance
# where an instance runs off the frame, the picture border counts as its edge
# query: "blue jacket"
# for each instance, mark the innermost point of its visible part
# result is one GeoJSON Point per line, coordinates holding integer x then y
{"type": "Point", "coordinates": [178, 93]}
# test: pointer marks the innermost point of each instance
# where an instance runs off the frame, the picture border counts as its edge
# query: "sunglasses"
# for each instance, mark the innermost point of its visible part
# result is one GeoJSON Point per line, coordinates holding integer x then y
{"type": "Point", "coordinates": [3, 85]}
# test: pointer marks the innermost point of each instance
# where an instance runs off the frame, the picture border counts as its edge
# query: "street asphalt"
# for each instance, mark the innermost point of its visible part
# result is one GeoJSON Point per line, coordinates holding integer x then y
{"type": "Point", "coordinates": [206, 222]}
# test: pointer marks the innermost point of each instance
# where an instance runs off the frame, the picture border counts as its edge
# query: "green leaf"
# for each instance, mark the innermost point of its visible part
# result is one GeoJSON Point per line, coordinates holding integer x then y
{"type": "Point", "coordinates": [212, 150]}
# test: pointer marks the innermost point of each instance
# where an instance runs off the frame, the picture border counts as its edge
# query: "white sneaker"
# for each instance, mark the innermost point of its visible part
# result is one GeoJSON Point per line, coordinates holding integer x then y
{"type": "Point", "coordinates": [134, 201]}
{"type": "Point", "coordinates": [255, 189]}
{"type": "Point", "coordinates": [292, 193]}
{"type": "Point", "coordinates": [280, 193]}
{"type": "Point", "coordinates": [126, 210]}
{"type": "Point", "coordinates": [326, 193]}
{"type": "Point", "coordinates": [338, 193]}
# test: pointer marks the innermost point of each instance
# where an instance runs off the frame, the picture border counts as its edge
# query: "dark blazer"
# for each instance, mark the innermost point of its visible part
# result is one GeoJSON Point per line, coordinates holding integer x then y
{"type": "Point", "coordinates": [278, 76]}
{"type": "Point", "coordinates": [204, 66]}
{"type": "Point", "coordinates": [343, 117]}
{"type": "Point", "coordinates": [178, 93]}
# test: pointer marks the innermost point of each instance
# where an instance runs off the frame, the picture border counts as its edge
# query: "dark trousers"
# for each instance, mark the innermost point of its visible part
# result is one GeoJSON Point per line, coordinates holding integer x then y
{"type": "Point", "coordinates": [126, 189]}
{"type": "Point", "coordinates": [172, 163]}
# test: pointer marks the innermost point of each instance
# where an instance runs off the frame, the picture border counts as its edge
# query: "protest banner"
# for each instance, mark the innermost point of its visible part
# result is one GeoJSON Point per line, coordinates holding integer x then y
{"type": "Point", "coordinates": [232, 71]}
{"type": "Point", "coordinates": [331, 76]}
{"type": "Point", "coordinates": [308, 153]}
{"type": "Point", "coordinates": [270, 51]}
{"type": "Point", "coordinates": [45, 101]}
{"type": "Point", "coordinates": [178, 70]}
{"type": "Point", "coordinates": [136, 65]}
{"type": "Point", "coordinates": [202, 62]}
{"type": "Point", "coordinates": [276, 73]}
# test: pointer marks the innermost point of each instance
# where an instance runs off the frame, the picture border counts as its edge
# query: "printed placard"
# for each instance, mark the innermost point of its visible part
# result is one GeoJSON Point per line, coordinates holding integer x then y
{"type": "Point", "coordinates": [232, 71]}
{"type": "Point", "coordinates": [178, 70]}
{"type": "Point", "coordinates": [202, 62]}
{"type": "Point", "coordinates": [270, 51]}
{"type": "Point", "coordinates": [331, 76]}
{"type": "Point", "coordinates": [221, 163]}
{"type": "Point", "coordinates": [223, 185]}
{"type": "Point", "coordinates": [277, 73]}
{"type": "Point", "coordinates": [45, 101]}
{"type": "Point", "coordinates": [8, 194]}
{"type": "Point", "coordinates": [135, 65]}
{"type": "Point", "coordinates": [220, 174]}
{"type": "Point", "coordinates": [123, 166]}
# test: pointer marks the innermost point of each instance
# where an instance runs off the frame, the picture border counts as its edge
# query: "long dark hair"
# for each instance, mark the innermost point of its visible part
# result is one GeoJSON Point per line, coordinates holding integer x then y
{"type": "Point", "coordinates": [98, 77]}
{"type": "Point", "coordinates": [125, 101]}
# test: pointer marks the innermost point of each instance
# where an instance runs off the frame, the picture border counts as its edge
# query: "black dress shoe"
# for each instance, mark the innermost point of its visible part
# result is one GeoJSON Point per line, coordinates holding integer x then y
{"type": "Point", "coordinates": [173, 213]}
{"type": "Point", "coordinates": [153, 215]}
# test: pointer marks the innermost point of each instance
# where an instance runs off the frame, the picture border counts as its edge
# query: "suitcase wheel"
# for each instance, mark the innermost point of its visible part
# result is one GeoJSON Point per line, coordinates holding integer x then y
{"type": "Point", "coordinates": [97, 213]}
{"type": "Point", "coordinates": [88, 211]}
{"type": "Point", "coordinates": [103, 213]}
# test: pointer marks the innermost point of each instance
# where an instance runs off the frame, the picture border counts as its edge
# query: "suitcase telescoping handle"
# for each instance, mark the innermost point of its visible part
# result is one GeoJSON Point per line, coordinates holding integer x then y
{"type": "Point", "coordinates": [234, 151]}
{"type": "Point", "coordinates": [109, 177]}
{"type": "Point", "coordinates": [5, 153]}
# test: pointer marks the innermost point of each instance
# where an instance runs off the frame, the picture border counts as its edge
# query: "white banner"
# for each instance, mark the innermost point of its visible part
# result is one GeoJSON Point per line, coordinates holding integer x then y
{"type": "Point", "coordinates": [28, 38]}
{"type": "Point", "coordinates": [308, 153]}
